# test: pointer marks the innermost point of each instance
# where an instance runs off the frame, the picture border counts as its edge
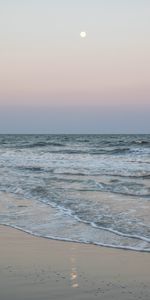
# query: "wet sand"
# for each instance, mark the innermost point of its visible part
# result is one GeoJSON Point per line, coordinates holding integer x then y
{"type": "Point", "coordinates": [42, 269]}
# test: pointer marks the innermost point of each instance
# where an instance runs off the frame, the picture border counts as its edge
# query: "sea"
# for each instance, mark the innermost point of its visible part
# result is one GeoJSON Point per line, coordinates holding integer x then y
{"type": "Point", "coordinates": [92, 189]}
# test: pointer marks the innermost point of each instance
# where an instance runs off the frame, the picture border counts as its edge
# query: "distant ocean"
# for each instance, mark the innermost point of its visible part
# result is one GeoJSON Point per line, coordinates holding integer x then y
{"type": "Point", "coordinates": [85, 188]}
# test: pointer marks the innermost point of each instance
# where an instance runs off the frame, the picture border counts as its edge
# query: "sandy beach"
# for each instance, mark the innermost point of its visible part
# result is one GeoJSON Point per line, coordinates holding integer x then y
{"type": "Point", "coordinates": [38, 268]}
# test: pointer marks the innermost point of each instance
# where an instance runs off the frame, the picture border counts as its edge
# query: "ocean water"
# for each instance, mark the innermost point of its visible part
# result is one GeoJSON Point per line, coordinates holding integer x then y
{"type": "Point", "coordinates": [84, 188]}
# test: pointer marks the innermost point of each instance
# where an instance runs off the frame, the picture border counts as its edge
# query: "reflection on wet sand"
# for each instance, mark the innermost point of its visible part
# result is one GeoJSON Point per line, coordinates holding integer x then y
{"type": "Point", "coordinates": [73, 273]}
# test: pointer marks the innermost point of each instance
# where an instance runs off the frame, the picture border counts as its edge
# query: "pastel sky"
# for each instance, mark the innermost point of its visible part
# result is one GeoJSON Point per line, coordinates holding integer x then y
{"type": "Point", "coordinates": [53, 81]}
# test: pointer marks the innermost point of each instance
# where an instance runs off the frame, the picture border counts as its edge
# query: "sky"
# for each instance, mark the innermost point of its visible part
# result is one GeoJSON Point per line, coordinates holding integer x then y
{"type": "Point", "coordinates": [54, 81]}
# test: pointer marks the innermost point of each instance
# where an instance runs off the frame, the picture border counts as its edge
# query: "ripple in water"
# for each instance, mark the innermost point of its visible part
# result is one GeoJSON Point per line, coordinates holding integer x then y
{"type": "Point", "coordinates": [83, 188]}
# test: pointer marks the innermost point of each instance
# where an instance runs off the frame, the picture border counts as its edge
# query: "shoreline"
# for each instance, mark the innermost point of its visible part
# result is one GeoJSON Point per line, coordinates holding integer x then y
{"type": "Point", "coordinates": [25, 203]}
{"type": "Point", "coordinates": [40, 268]}
{"type": "Point", "coordinates": [76, 242]}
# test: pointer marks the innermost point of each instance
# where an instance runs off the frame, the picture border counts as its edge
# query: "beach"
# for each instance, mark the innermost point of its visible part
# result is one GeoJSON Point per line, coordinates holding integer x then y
{"type": "Point", "coordinates": [39, 268]}
{"type": "Point", "coordinates": [74, 150]}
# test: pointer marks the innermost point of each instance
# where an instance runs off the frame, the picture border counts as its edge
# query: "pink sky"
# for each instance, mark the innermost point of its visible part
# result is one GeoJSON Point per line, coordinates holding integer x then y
{"type": "Point", "coordinates": [44, 61]}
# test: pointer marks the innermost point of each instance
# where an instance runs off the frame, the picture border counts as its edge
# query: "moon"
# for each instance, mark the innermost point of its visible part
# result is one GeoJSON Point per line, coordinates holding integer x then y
{"type": "Point", "coordinates": [83, 34]}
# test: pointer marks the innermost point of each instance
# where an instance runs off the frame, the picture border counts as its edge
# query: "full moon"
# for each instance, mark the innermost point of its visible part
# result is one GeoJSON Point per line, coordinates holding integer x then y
{"type": "Point", "coordinates": [83, 34]}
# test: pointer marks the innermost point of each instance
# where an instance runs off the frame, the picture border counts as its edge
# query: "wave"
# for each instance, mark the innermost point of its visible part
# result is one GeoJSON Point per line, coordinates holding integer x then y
{"type": "Point", "coordinates": [40, 144]}
{"type": "Point", "coordinates": [68, 151]}
{"type": "Point", "coordinates": [140, 142]}
{"type": "Point", "coordinates": [113, 191]}
{"type": "Point", "coordinates": [57, 238]}
{"type": "Point", "coordinates": [130, 241]}
{"type": "Point", "coordinates": [30, 168]}
{"type": "Point", "coordinates": [113, 165]}
{"type": "Point", "coordinates": [110, 152]}
{"type": "Point", "coordinates": [137, 237]}
{"type": "Point", "coordinates": [103, 173]}
{"type": "Point", "coordinates": [121, 175]}
{"type": "Point", "coordinates": [70, 213]}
